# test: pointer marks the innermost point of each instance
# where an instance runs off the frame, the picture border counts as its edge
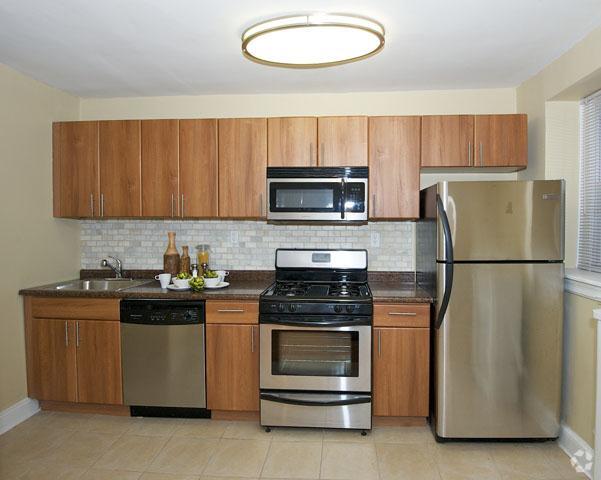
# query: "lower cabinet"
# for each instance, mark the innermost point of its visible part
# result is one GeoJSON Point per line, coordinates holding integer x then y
{"type": "Point", "coordinates": [232, 367]}
{"type": "Point", "coordinates": [401, 361]}
{"type": "Point", "coordinates": [72, 359]}
{"type": "Point", "coordinates": [232, 354]}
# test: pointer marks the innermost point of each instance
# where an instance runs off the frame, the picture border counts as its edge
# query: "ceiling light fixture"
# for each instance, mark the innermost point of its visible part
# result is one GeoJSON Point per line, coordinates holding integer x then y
{"type": "Point", "coordinates": [312, 41]}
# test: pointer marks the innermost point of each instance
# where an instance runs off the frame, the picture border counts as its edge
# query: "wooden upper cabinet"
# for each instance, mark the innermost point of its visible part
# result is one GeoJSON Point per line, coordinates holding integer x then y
{"type": "Point", "coordinates": [99, 362]}
{"type": "Point", "coordinates": [51, 360]}
{"type": "Point", "coordinates": [198, 175]}
{"type": "Point", "coordinates": [401, 372]}
{"type": "Point", "coordinates": [242, 167]}
{"type": "Point", "coordinates": [394, 155]}
{"type": "Point", "coordinates": [501, 140]}
{"type": "Point", "coordinates": [232, 367]}
{"type": "Point", "coordinates": [447, 141]}
{"type": "Point", "coordinates": [120, 168]}
{"type": "Point", "coordinates": [160, 143]}
{"type": "Point", "coordinates": [342, 141]}
{"type": "Point", "coordinates": [75, 169]}
{"type": "Point", "coordinates": [292, 142]}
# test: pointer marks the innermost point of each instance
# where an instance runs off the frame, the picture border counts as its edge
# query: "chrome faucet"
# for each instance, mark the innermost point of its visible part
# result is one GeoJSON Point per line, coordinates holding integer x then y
{"type": "Point", "coordinates": [118, 268]}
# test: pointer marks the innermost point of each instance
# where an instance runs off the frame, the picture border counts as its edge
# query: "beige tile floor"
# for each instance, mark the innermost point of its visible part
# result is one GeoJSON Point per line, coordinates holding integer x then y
{"type": "Point", "coordinates": [64, 446]}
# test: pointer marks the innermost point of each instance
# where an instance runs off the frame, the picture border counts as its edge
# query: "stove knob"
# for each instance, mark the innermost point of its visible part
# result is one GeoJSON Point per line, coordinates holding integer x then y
{"type": "Point", "coordinates": [281, 307]}
{"type": "Point", "coordinates": [350, 308]}
{"type": "Point", "coordinates": [338, 308]}
{"type": "Point", "coordinates": [292, 307]}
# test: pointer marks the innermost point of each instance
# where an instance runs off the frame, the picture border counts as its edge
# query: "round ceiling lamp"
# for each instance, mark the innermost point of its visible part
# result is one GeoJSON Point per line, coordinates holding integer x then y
{"type": "Point", "coordinates": [313, 41]}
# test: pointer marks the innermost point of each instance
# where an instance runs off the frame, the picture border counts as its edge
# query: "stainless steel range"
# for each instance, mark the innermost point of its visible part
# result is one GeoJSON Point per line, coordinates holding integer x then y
{"type": "Point", "coordinates": [315, 325]}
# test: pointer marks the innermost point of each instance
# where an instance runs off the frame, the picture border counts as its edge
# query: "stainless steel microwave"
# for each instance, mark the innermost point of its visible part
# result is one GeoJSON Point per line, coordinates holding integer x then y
{"type": "Point", "coordinates": [328, 194]}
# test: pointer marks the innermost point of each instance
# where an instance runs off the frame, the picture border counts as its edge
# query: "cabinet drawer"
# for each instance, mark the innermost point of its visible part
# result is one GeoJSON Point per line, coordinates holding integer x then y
{"type": "Point", "coordinates": [401, 315]}
{"type": "Point", "coordinates": [76, 308]}
{"type": "Point", "coordinates": [232, 312]}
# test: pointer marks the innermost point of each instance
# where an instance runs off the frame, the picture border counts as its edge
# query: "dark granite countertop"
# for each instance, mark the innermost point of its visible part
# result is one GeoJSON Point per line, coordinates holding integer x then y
{"type": "Point", "coordinates": [392, 287]}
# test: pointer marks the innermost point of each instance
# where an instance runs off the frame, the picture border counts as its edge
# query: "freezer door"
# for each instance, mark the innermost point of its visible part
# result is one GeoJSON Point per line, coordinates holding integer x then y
{"type": "Point", "coordinates": [498, 352]}
{"type": "Point", "coordinates": [503, 220]}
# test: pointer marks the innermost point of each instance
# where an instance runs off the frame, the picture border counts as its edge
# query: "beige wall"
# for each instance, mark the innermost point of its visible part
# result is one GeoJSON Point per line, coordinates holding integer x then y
{"type": "Point", "coordinates": [386, 103]}
{"type": "Point", "coordinates": [579, 365]}
{"type": "Point", "coordinates": [35, 248]}
{"type": "Point", "coordinates": [562, 147]}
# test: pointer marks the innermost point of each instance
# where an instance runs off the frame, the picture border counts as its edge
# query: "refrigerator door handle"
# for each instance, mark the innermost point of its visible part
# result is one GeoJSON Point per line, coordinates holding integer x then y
{"type": "Point", "coordinates": [448, 265]}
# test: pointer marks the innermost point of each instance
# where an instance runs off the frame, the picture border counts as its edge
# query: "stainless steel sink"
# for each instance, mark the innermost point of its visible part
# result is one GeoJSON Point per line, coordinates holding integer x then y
{"type": "Point", "coordinates": [103, 284]}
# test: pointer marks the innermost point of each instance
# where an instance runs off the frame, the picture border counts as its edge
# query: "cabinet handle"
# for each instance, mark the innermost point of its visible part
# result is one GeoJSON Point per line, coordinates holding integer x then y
{"type": "Point", "coordinates": [77, 334]}
{"type": "Point", "coordinates": [310, 153]}
{"type": "Point", "coordinates": [102, 204]}
{"type": "Point", "coordinates": [403, 314]}
{"type": "Point", "coordinates": [66, 334]}
{"type": "Point", "coordinates": [481, 155]}
{"type": "Point", "coordinates": [231, 310]}
{"type": "Point", "coordinates": [469, 153]}
{"type": "Point", "coordinates": [252, 339]}
{"type": "Point", "coordinates": [260, 204]}
{"type": "Point", "coordinates": [373, 203]}
{"type": "Point", "coordinates": [182, 205]}
{"type": "Point", "coordinates": [172, 205]}
{"type": "Point", "coordinates": [92, 203]}
{"type": "Point", "coordinates": [379, 343]}
{"type": "Point", "coordinates": [322, 153]}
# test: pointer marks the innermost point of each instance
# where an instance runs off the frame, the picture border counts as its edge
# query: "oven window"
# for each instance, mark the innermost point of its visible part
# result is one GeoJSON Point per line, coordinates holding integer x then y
{"type": "Point", "coordinates": [315, 353]}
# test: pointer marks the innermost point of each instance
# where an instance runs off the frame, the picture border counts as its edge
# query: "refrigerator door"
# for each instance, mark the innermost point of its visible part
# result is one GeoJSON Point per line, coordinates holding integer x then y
{"type": "Point", "coordinates": [508, 220]}
{"type": "Point", "coordinates": [498, 352]}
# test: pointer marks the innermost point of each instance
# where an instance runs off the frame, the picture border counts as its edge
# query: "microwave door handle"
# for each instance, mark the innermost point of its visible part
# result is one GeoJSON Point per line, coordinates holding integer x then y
{"type": "Point", "coordinates": [342, 198]}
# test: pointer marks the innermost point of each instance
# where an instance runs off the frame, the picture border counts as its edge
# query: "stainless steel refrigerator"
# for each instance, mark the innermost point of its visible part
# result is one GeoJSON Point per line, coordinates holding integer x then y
{"type": "Point", "coordinates": [493, 253]}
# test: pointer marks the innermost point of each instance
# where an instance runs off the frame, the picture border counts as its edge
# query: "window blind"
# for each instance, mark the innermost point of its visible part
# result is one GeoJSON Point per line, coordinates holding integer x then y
{"type": "Point", "coordinates": [589, 225]}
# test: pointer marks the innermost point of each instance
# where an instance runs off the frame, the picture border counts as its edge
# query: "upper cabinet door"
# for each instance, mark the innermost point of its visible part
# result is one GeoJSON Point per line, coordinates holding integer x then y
{"type": "Point", "coordinates": [75, 169]}
{"type": "Point", "coordinates": [447, 141]}
{"type": "Point", "coordinates": [394, 153]}
{"type": "Point", "coordinates": [292, 142]}
{"type": "Point", "coordinates": [342, 141]}
{"type": "Point", "coordinates": [198, 176]}
{"type": "Point", "coordinates": [120, 164]}
{"type": "Point", "coordinates": [501, 140]}
{"type": "Point", "coordinates": [242, 167]}
{"type": "Point", "coordinates": [160, 168]}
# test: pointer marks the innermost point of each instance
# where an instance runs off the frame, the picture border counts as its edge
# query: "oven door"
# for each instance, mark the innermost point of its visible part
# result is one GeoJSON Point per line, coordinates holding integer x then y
{"type": "Point", "coordinates": [330, 357]}
{"type": "Point", "coordinates": [309, 199]}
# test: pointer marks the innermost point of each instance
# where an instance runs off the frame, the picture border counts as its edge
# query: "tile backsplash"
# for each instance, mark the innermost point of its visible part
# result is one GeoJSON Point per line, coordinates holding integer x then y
{"type": "Point", "coordinates": [242, 245]}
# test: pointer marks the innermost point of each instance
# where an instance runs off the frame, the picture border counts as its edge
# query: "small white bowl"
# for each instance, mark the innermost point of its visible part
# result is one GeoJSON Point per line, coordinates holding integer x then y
{"type": "Point", "coordinates": [212, 282]}
{"type": "Point", "coordinates": [181, 282]}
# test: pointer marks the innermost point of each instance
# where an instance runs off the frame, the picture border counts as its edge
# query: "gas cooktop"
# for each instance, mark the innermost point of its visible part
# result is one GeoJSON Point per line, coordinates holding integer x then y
{"type": "Point", "coordinates": [319, 282]}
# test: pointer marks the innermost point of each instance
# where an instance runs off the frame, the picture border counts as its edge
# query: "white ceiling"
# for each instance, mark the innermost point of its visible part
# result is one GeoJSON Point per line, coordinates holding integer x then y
{"type": "Point", "coordinates": [111, 48]}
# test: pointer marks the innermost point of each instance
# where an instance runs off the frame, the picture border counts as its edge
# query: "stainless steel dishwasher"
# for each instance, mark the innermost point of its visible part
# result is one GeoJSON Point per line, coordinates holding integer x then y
{"type": "Point", "coordinates": [163, 350]}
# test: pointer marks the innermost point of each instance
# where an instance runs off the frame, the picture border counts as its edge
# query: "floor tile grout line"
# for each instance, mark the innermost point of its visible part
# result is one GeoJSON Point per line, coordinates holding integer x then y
{"type": "Point", "coordinates": [267, 454]}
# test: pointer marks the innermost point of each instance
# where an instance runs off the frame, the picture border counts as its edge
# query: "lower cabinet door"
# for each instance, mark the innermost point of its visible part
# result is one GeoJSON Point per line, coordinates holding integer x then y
{"type": "Point", "coordinates": [98, 362]}
{"type": "Point", "coordinates": [401, 372]}
{"type": "Point", "coordinates": [232, 367]}
{"type": "Point", "coordinates": [53, 372]}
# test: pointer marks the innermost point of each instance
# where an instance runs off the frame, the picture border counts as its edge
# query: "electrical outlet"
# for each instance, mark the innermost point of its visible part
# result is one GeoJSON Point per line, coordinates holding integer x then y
{"type": "Point", "coordinates": [375, 239]}
{"type": "Point", "coordinates": [234, 237]}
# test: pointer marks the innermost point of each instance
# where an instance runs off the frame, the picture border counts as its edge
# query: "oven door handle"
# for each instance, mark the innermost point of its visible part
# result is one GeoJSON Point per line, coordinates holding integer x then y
{"type": "Point", "coordinates": [352, 400]}
{"type": "Point", "coordinates": [315, 323]}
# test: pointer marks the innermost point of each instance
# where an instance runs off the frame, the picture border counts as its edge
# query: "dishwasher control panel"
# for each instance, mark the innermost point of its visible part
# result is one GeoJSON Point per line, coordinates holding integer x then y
{"type": "Point", "coordinates": [162, 312]}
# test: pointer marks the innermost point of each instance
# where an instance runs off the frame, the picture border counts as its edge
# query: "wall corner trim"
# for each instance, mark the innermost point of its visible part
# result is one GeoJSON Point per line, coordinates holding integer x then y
{"type": "Point", "coordinates": [17, 413]}
{"type": "Point", "coordinates": [575, 447]}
